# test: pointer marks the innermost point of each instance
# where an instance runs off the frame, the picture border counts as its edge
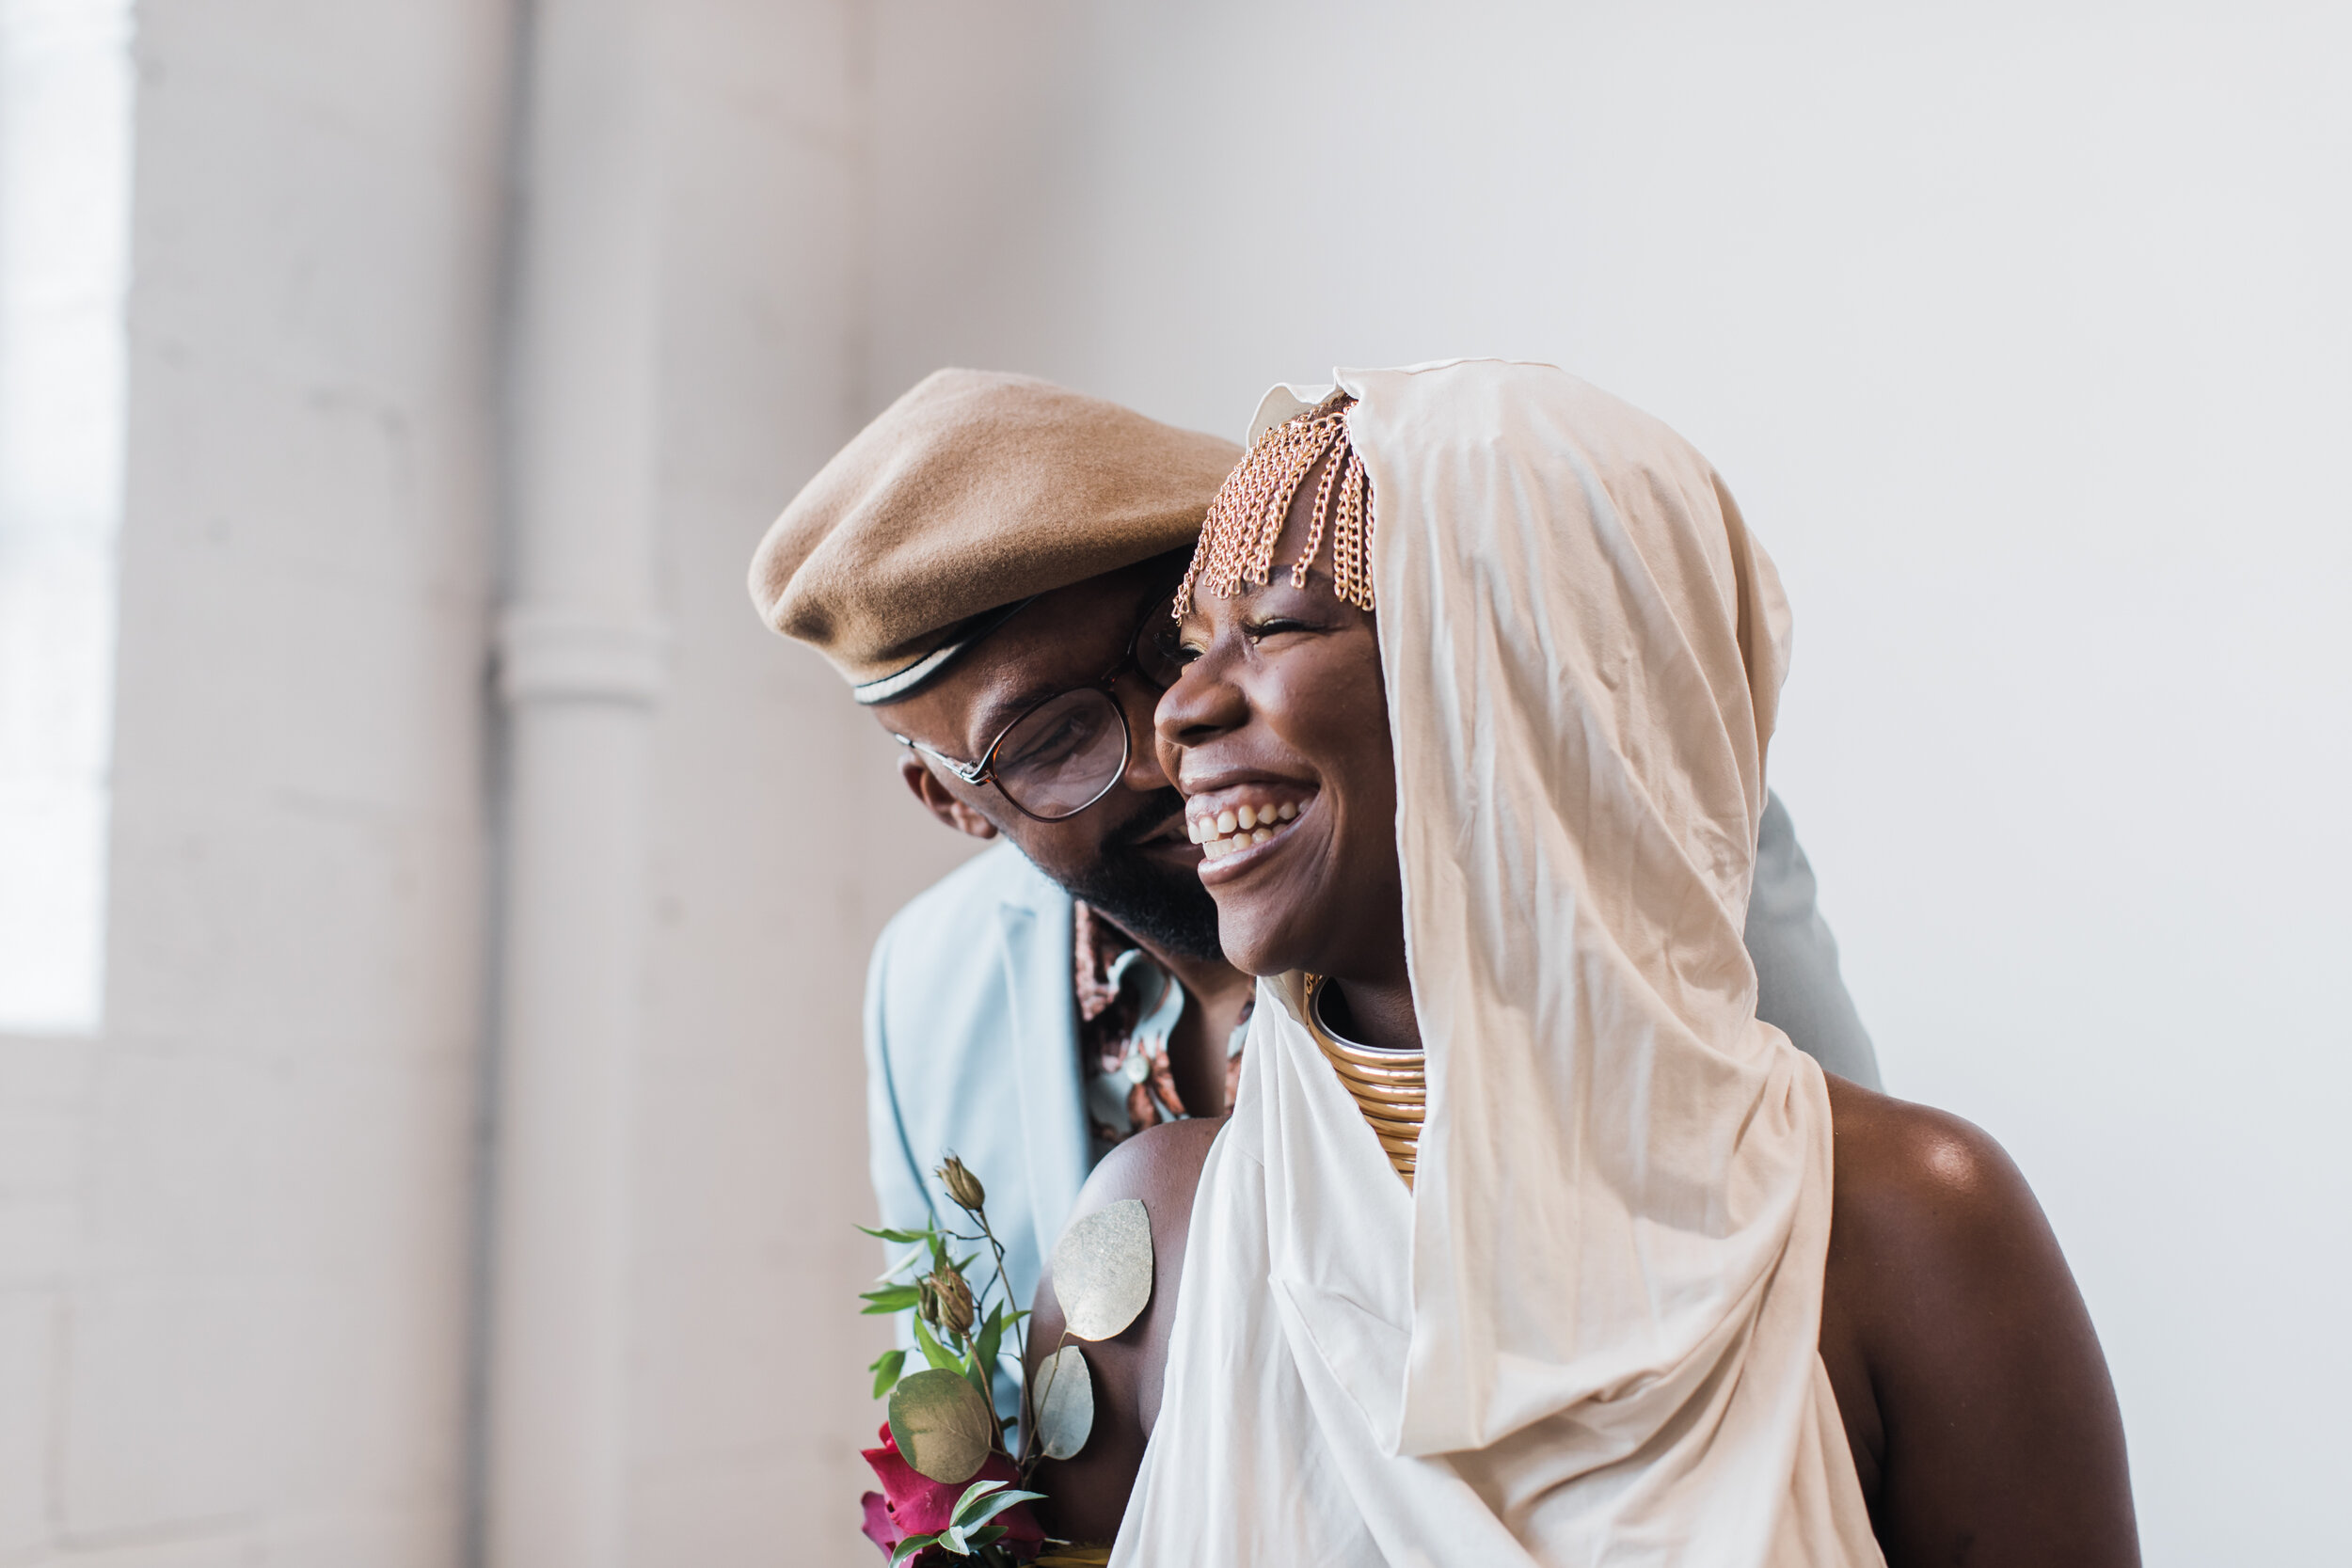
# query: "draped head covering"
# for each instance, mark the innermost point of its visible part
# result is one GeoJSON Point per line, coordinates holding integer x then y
{"type": "Point", "coordinates": [1589, 1334]}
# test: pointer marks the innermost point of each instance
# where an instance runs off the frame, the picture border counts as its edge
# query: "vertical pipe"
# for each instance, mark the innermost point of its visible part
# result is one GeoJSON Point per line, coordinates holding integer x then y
{"type": "Point", "coordinates": [580, 672]}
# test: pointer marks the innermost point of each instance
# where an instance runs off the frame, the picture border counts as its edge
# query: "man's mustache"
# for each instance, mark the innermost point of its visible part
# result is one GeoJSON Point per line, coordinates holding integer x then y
{"type": "Point", "coordinates": [1149, 818]}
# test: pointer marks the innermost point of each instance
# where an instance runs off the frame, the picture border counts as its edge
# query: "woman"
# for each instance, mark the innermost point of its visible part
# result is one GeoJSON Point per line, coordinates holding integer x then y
{"type": "Point", "coordinates": [1525, 1243]}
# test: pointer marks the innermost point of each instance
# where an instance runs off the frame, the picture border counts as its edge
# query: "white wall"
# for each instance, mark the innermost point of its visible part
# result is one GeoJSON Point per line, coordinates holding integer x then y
{"type": "Point", "coordinates": [232, 1225]}
{"type": "Point", "coordinates": [781, 838]}
{"type": "Point", "coordinates": [239, 1277]}
{"type": "Point", "coordinates": [2022, 335]}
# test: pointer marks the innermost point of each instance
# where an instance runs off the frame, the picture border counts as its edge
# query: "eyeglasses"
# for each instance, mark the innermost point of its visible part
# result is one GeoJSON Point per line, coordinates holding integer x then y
{"type": "Point", "coordinates": [1064, 752]}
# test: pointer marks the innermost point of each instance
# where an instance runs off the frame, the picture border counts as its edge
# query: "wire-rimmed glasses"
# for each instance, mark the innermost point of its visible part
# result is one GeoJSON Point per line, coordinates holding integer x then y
{"type": "Point", "coordinates": [1064, 752]}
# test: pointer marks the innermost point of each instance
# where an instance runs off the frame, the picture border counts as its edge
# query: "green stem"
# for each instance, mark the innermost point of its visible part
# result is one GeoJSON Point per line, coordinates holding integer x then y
{"type": "Point", "coordinates": [1028, 1462]}
{"type": "Point", "coordinates": [1020, 1329]}
{"type": "Point", "coordinates": [1020, 1339]}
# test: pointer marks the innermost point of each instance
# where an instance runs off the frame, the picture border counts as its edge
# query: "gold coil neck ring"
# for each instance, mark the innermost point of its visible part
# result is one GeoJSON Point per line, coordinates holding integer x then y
{"type": "Point", "coordinates": [1390, 1087]}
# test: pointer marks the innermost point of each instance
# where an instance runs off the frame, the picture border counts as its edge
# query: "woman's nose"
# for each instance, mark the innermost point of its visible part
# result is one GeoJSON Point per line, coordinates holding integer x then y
{"type": "Point", "coordinates": [1197, 708]}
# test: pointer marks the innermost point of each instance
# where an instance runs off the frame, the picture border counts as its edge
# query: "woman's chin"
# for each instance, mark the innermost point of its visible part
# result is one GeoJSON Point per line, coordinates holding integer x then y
{"type": "Point", "coordinates": [1263, 948]}
{"type": "Point", "coordinates": [1276, 896]}
{"type": "Point", "coordinates": [1262, 968]}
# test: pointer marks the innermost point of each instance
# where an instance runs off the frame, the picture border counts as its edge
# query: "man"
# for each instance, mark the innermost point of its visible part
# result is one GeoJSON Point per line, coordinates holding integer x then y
{"type": "Point", "coordinates": [988, 563]}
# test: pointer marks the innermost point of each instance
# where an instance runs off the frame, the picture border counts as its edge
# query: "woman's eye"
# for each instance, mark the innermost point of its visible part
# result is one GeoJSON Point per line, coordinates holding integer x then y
{"type": "Point", "coordinates": [1259, 630]}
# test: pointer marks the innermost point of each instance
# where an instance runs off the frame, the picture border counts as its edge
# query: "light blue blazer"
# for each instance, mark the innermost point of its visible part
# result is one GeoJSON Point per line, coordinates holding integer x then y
{"type": "Point", "coordinates": [972, 1043]}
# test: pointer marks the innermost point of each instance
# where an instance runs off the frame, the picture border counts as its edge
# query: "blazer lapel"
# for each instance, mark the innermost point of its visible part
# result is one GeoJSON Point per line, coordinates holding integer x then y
{"type": "Point", "coordinates": [1038, 954]}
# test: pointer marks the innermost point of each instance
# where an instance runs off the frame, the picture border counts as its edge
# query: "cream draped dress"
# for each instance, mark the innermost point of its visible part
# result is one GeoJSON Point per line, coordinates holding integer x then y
{"type": "Point", "coordinates": [1590, 1336]}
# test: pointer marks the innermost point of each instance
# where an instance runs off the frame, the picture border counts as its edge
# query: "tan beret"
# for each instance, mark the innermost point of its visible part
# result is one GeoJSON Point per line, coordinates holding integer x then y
{"type": "Point", "coordinates": [967, 497]}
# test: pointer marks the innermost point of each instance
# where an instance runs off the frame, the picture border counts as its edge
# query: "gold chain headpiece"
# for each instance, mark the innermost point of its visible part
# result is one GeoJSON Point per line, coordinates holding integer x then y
{"type": "Point", "coordinates": [1237, 539]}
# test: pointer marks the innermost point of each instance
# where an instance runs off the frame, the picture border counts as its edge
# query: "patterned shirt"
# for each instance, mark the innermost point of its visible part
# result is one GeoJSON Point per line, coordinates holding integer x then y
{"type": "Point", "coordinates": [1128, 1010]}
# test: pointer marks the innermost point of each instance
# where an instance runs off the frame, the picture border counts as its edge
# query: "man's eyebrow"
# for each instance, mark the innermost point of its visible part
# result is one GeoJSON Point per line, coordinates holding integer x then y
{"type": "Point", "coordinates": [999, 711]}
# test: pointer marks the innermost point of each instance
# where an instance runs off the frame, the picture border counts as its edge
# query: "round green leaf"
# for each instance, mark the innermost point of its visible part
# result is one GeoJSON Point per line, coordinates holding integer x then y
{"type": "Point", "coordinates": [942, 1425]}
{"type": "Point", "coordinates": [1065, 1403]}
{"type": "Point", "coordinates": [1103, 1270]}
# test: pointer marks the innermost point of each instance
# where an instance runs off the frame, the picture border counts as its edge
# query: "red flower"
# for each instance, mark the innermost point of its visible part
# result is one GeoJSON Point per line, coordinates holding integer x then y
{"type": "Point", "coordinates": [910, 1503]}
{"type": "Point", "coordinates": [878, 1529]}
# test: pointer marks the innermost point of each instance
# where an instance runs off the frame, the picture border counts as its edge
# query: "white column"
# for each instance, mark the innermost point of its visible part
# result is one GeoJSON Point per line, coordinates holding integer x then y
{"type": "Point", "coordinates": [581, 672]}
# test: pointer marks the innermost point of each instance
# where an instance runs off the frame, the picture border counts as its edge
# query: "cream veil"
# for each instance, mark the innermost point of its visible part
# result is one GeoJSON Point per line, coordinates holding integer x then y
{"type": "Point", "coordinates": [1590, 1336]}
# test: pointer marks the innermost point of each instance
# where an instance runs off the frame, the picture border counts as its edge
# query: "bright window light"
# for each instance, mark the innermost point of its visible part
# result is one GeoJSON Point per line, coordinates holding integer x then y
{"type": "Point", "coordinates": [65, 200]}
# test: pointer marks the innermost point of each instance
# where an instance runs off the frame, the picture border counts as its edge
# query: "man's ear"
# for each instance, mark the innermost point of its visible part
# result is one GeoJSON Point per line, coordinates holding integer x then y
{"type": "Point", "coordinates": [941, 804]}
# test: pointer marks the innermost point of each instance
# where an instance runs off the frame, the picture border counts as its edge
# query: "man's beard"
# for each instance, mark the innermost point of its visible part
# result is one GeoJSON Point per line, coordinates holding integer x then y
{"type": "Point", "coordinates": [1166, 908]}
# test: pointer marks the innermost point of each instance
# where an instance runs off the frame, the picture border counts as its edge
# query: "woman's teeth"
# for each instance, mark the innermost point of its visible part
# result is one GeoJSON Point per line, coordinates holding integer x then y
{"type": "Point", "coordinates": [1238, 827]}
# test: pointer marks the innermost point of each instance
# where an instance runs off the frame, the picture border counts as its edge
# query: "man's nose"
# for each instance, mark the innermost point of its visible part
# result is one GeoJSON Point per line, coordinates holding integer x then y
{"type": "Point", "coordinates": [1139, 700]}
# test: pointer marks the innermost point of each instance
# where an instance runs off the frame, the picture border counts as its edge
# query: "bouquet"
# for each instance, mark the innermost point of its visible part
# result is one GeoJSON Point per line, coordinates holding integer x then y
{"type": "Point", "coordinates": [954, 1470]}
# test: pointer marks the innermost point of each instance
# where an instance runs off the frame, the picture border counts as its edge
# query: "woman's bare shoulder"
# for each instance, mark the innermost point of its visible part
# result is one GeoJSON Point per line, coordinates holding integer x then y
{"type": "Point", "coordinates": [1161, 1166]}
{"type": "Point", "coordinates": [1990, 1416]}
{"type": "Point", "coordinates": [1923, 1184]}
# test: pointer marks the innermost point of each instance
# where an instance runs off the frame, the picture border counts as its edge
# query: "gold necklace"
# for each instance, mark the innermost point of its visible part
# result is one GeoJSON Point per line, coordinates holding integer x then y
{"type": "Point", "coordinates": [1390, 1088]}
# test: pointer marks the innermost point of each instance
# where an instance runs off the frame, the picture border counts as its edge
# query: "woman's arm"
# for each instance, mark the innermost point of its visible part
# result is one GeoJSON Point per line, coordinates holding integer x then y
{"type": "Point", "coordinates": [1085, 1495]}
{"type": "Point", "coordinates": [1983, 1422]}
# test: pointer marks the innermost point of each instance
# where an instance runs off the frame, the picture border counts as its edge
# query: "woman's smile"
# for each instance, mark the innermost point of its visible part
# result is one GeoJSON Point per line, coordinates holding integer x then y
{"type": "Point", "coordinates": [1230, 825]}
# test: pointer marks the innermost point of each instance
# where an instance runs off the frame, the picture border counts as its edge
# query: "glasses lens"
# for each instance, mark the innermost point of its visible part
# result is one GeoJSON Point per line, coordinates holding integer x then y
{"type": "Point", "coordinates": [1061, 757]}
{"type": "Point", "coordinates": [1156, 645]}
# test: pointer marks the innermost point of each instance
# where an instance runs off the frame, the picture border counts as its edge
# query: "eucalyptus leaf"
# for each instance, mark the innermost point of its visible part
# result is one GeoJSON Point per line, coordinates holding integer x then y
{"type": "Point", "coordinates": [911, 1547]}
{"type": "Point", "coordinates": [1065, 1403]}
{"type": "Point", "coordinates": [942, 1425]}
{"type": "Point", "coordinates": [1103, 1270]}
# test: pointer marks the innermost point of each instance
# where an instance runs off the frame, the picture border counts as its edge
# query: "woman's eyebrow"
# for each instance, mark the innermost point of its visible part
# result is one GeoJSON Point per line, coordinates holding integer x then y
{"type": "Point", "coordinates": [1191, 619]}
{"type": "Point", "coordinates": [1245, 591]}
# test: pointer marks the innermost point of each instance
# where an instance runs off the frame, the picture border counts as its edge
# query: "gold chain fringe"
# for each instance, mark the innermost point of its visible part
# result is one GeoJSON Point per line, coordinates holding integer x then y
{"type": "Point", "coordinates": [1246, 520]}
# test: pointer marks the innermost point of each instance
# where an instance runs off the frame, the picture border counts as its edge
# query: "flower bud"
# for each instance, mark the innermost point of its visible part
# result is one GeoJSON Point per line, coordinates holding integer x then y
{"type": "Point", "coordinates": [963, 1186]}
{"type": "Point", "coordinates": [953, 1300]}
